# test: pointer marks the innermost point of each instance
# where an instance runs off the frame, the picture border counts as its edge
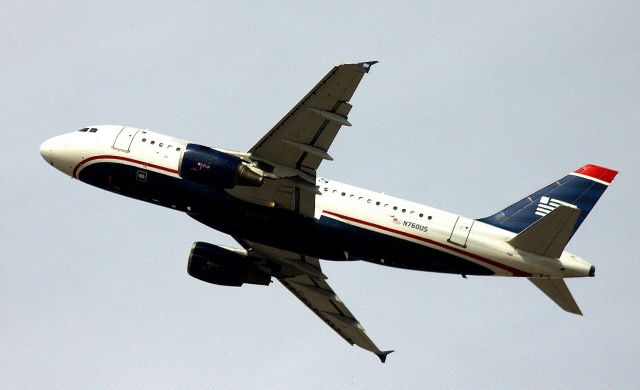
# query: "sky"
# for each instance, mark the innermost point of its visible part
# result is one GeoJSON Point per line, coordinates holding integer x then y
{"type": "Point", "coordinates": [472, 106]}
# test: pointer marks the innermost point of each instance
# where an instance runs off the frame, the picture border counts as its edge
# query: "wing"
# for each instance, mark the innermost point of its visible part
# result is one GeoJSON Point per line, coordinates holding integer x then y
{"type": "Point", "coordinates": [302, 138]}
{"type": "Point", "coordinates": [303, 277]}
{"type": "Point", "coordinates": [292, 151]}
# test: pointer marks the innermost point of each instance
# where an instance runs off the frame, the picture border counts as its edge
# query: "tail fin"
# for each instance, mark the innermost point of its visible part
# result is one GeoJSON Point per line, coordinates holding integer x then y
{"type": "Point", "coordinates": [581, 188]}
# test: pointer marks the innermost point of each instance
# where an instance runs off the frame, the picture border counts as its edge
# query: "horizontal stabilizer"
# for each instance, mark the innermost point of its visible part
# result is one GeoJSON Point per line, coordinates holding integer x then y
{"type": "Point", "coordinates": [550, 234]}
{"type": "Point", "coordinates": [557, 290]}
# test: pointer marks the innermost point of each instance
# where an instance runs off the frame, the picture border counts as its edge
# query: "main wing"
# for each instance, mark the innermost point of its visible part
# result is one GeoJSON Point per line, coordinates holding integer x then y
{"type": "Point", "coordinates": [303, 277]}
{"type": "Point", "coordinates": [293, 149]}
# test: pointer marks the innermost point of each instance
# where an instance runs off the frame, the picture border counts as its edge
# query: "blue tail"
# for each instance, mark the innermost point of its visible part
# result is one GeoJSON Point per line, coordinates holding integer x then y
{"type": "Point", "coordinates": [581, 189]}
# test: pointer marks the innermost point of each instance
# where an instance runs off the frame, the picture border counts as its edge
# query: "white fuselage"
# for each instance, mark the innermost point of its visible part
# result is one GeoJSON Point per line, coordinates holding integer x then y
{"type": "Point", "coordinates": [459, 236]}
{"type": "Point", "coordinates": [424, 225]}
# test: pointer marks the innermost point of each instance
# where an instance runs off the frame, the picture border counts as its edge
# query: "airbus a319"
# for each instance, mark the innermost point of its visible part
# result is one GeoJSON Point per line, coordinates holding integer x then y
{"type": "Point", "coordinates": [286, 218]}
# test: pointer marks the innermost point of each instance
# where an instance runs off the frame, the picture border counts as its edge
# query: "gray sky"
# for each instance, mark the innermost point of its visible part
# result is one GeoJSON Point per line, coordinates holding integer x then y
{"type": "Point", "coordinates": [471, 107]}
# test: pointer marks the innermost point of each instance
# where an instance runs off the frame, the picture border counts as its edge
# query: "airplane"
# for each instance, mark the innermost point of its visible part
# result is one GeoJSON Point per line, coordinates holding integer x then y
{"type": "Point", "coordinates": [286, 218]}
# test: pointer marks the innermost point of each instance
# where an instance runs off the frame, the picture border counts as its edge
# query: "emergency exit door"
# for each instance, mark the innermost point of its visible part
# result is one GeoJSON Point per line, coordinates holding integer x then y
{"type": "Point", "coordinates": [461, 230]}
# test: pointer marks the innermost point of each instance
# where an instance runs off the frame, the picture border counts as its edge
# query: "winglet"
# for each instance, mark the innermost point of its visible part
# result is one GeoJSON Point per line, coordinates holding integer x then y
{"type": "Point", "coordinates": [383, 355]}
{"type": "Point", "coordinates": [367, 65]}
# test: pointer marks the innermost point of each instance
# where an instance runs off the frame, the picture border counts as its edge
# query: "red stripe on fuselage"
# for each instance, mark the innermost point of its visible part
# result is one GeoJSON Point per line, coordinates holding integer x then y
{"type": "Point", "coordinates": [514, 271]}
{"type": "Point", "coordinates": [131, 160]}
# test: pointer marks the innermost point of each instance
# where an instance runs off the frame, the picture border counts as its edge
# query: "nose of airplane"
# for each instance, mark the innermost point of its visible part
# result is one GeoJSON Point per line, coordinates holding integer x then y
{"type": "Point", "coordinates": [46, 151]}
{"type": "Point", "coordinates": [63, 152]}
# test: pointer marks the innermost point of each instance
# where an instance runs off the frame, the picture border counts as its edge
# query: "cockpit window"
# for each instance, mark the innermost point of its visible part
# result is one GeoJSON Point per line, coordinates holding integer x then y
{"type": "Point", "coordinates": [84, 130]}
{"type": "Point", "coordinates": [93, 130]}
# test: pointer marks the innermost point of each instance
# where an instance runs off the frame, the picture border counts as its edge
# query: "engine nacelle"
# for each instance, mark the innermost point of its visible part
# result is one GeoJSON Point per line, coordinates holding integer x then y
{"type": "Point", "coordinates": [213, 264]}
{"type": "Point", "coordinates": [212, 167]}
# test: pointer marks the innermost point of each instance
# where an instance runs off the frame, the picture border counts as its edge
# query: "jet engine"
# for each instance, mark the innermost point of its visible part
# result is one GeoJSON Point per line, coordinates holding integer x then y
{"type": "Point", "coordinates": [217, 265]}
{"type": "Point", "coordinates": [213, 167]}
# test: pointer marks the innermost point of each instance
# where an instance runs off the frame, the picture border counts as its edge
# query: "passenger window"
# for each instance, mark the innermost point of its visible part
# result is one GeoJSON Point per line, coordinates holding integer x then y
{"type": "Point", "coordinates": [403, 210]}
{"type": "Point", "coordinates": [144, 140]}
{"type": "Point", "coordinates": [377, 203]}
{"type": "Point", "coordinates": [177, 149]}
{"type": "Point", "coordinates": [368, 200]}
{"type": "Point", "coordinates": [326, 189]}
{"type": "Point", "coordinates": [169, 146]}
{"type": "Point", "coordinates": [421, 215]}
{"type": "Point", "coordinates": [84, 130]}
{"type": "Point", "coordinates": [160, 144]}
{"type": "Point", "coordinates": [395, 207]}
{"type": "Point", "coordinates": [93, 130]}
{"type": "Point", "coordinates": [351, 196]}
{"type": "Point", "coordinates": [429, 217]}
{"type": "Point", "coordinates": [152, 142]}
{"type": "Point", "coordinates": [343, 194]}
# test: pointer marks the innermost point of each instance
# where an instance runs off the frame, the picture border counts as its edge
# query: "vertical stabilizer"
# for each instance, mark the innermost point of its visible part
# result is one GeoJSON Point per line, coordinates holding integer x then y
{"type": "Point", "coordinates": [581, 188]}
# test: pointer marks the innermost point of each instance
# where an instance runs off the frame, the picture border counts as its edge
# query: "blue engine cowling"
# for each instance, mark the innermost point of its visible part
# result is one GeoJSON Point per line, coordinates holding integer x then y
{"type": "Point", "coordinates": [213, 264]}
{"type": "Point", "coordinates": [212, 167]}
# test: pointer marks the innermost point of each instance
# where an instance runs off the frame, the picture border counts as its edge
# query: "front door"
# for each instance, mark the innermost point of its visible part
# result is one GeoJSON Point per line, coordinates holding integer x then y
{"type": "Point", "coordinates": [461, 230]}
{"type": "Point", "coordinates": [124, 138]}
